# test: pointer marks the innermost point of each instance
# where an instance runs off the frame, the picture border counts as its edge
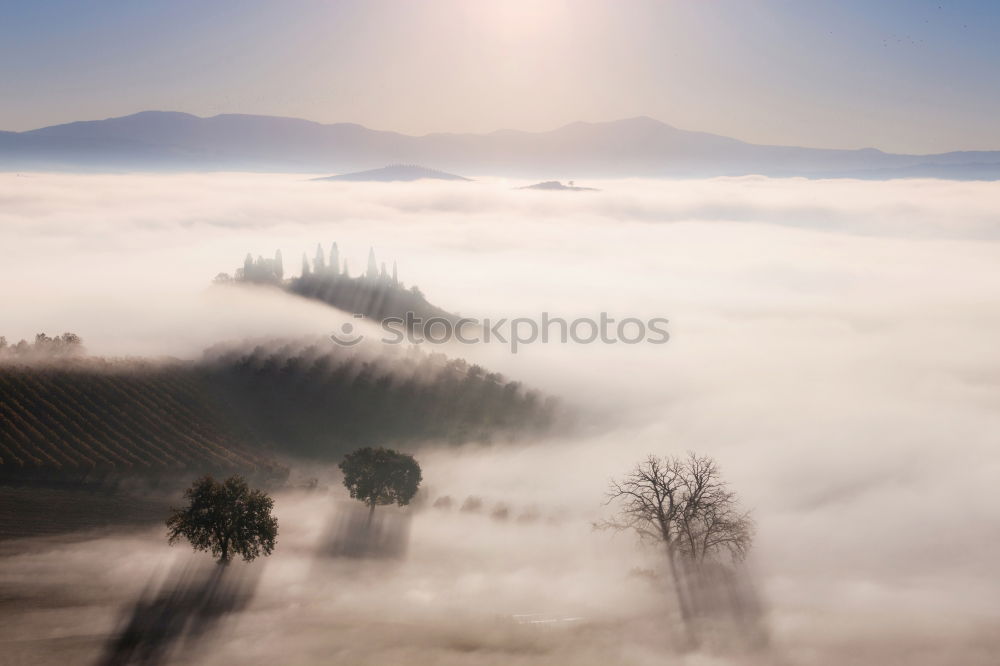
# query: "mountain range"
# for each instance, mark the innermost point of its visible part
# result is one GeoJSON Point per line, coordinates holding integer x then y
{"type": "Point", "coordinates": [635, 147]}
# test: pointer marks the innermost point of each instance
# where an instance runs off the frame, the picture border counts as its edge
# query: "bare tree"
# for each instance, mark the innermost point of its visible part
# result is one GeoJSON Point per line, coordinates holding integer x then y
{"type": "Point", "coordinates": [683, 504]}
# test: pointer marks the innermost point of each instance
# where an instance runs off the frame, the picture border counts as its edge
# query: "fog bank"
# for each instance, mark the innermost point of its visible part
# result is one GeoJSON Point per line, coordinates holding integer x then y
{"type": "Point", "coordinates": [832, 346]}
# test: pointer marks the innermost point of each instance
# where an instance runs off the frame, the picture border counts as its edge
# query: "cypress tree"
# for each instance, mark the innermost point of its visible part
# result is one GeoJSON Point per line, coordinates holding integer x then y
{"type": "Point", "coordinates": [320, 263]}
{"type": "Point", "coordinates": [334, 258]}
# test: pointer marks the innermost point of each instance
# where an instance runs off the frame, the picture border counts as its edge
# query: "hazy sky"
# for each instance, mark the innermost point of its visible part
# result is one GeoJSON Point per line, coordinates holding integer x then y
{"type": "Point", "coordinates": [901, 75]}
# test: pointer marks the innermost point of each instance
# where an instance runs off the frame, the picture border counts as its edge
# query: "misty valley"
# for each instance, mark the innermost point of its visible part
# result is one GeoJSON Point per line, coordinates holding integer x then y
{"type": "Point", "coordinates": [209, 461]}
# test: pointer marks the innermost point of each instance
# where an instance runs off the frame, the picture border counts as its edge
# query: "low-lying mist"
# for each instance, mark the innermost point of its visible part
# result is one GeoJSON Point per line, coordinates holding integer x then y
{"type": "Point", "coordinates": [833, 347]}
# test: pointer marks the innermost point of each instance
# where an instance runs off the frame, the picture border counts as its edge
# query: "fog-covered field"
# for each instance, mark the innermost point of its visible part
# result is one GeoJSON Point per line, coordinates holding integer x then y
{"type": "Point", "coordinates": [833, 346]}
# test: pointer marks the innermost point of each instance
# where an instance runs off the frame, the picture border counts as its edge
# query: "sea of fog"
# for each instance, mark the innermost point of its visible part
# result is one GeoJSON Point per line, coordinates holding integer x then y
{"type": "Point", "coordinates": [833, 346]}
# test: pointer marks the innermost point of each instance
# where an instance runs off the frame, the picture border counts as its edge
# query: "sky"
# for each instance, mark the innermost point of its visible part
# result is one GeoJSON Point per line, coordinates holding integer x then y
{"type": "Point", "coordinates": [900, 75]}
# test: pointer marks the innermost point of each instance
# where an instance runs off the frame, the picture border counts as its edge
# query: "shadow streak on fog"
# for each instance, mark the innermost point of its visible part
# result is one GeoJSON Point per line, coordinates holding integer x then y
{"type": "Point", "coordinates": [354, 532]}
{"type": "Point", "coordinates": [846, 382]}
{"type": "Point", "coordinates": [169, 621]}
{"type": "Point", "coordinates": [429, 585]}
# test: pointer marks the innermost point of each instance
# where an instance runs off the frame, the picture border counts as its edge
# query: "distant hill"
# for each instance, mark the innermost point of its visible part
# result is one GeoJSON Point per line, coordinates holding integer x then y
{"type": "Point", "coordinates": [634, 147]}
{"type": "Point", "coordinates": [395, 173]}
{"type": "Point", "coordinates": [556, 185]}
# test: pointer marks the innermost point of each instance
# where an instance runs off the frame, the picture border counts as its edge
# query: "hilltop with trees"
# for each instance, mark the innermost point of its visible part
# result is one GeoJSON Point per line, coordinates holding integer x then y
{"type": "Point", "coordinates": [377, 292]}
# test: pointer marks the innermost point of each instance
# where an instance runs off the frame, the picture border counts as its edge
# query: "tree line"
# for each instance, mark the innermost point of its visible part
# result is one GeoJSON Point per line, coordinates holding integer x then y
{"type": "Point", "coordinates": [320, 400]}
{"type": "Point", "coordinates": [43, 346]}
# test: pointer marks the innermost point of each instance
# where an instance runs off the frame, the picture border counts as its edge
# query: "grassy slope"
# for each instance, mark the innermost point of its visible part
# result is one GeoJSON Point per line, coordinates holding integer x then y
{"type": "Point", "coordinates": [241, 408]}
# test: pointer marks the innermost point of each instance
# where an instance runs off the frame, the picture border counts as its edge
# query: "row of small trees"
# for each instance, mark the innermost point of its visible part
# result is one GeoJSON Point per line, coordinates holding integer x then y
{"type": "Point", "coordinates": [679, 504]}
{"type": "Point", "coordinates": [682, 503]}
{"type": "Point", "coordinates": [265, 270]}
{"type": "Point", "coordinates": [66, 344]}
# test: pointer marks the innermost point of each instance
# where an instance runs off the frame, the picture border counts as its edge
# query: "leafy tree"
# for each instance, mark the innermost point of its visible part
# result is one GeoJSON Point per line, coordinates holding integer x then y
{"type": "Point", "coordinates": [380, 476]}
{"type": "Point", "coordinates": [226, 518]}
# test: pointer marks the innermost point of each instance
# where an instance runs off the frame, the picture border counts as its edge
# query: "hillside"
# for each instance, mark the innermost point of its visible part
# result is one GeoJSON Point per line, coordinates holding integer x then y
{"type": "Point", "coordinates": [634, 147]}
{"type": "Point", "coordinates": [90, 416]}
{"type": "Point", "coordinates": [319, 400]}
{"type": "Point", "coordinates": [243, 407]}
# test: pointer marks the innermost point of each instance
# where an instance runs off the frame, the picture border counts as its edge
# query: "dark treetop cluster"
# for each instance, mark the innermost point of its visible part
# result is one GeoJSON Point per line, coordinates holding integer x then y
{"type": "Point", "coordinates": [377, 293]}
